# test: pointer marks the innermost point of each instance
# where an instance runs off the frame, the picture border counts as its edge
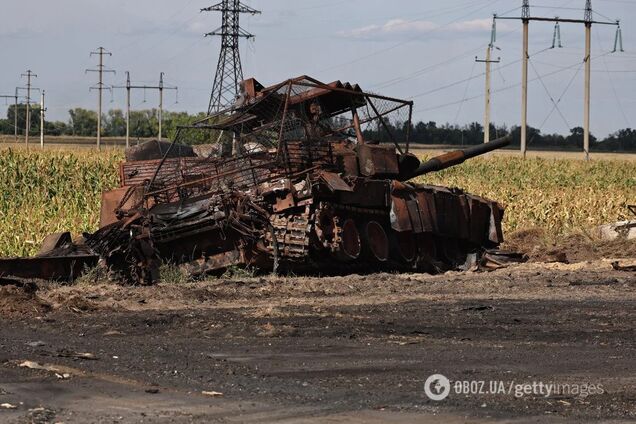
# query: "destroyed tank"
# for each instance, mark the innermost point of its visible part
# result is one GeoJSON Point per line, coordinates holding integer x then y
{"type": "Point", "coordinates": [292, 184]}
{"type": "Point", "coordinates": [293, 181]}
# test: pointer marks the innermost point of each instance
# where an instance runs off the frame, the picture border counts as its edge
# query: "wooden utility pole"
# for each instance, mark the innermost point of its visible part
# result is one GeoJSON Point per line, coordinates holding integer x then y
{"type": "Point", "coordinates": [29, 75]}
{"type": "Point", "coordinates": [587, 21]}
{"type": "Point", "coordinates": [101, 52]}
{"type": "Point", "coordinates": [488, 63]}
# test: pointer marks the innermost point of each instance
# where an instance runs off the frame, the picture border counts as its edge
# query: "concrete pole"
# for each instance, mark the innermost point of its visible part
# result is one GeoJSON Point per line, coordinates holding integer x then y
{"type": "Point", "coordinates": [99, 97]}
{"type": "Point", "coordinates": [15, 116]}
{"type": "Point", "coordinates": [29, 74]}
{"type": "Point", "coordinates": [588, 68]}
{"type": "Point", "coordinates": [524, 90]}
{"type": "Point", "coordinates": [160, 104]}
{"type": "Point", "coordinates": [42, 120]}
{"type": "Point", "coordinates": [127, 109]}
{"type": "Point", "coordinates": [487, 105]}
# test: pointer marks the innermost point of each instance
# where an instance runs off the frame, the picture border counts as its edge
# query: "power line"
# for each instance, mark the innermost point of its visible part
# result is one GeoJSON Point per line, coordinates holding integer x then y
{"type": "Point", "coordinates": [428, 68]}
{"type": "Point", "coordinates": [567, 87]}
{"type": "Point", "coordinates": [588, 21]}
{"type": "Point", "coordinates": [545, 87]}
{"type": "Point", "coordinates": [394, 46]}
{"type": "Point", "coordinates": [618, 102]}
{"type": "Point", "coordinates": [160, 87]}
{"type": "Point", "coordinates": [453, 84]}
{"type": "Point", "coordinates": [499, 90]}
{"type": "Point", "coordinates": [15, 111]}
{"type": "Point", "coordinates": [29, 75]}
{"type": "Point", "coordinates": [459, 109]}
{"type": "Point", "coordinates": [100, 87]}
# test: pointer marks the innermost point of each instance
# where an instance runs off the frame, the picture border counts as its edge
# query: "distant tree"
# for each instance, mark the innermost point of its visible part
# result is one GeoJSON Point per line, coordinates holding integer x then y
{"type": "Point", "coordinates": [6, 126]}
{"type": "Point", "coordinates": [83, 122]}
{"type": "Point", "coordinates": [115, 123]}
{"type": "Point", "coordinates": [575, 139]}
{"type": "Point", "coordinates": [34, 117]}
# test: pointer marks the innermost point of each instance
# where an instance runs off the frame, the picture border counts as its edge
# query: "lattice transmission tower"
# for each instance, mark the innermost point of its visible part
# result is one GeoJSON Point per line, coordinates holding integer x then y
{"type": "Point", "coordinates": [229, 72]}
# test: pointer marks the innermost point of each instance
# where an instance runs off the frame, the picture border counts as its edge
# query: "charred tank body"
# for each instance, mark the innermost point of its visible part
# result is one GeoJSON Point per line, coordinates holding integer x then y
{"type": "Point", "coordinates": [292, 184]}
{"type": "Point", "coordinates": [292, 180]}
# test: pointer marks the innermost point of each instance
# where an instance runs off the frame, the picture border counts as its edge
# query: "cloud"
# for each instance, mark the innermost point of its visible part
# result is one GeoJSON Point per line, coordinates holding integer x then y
{"type": "Point", "coordinates": [401, 27]}
{"type": "Point", "coordinates": [19, 33]}
{"type": "Point", "coordinates": [476, 25]}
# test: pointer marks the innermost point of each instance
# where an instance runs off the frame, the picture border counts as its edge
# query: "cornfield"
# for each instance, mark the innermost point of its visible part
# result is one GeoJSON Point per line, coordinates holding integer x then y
{"type": "Point", "coordinates": [560, 196]}
{"type": "Point", "coordinates": [53, 191]}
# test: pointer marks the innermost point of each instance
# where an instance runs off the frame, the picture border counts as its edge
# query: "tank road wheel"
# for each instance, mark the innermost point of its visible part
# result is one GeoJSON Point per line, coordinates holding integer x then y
{"type": "Point", "coordinates": [403, 247]}
{"type": "Point", "coordinates": [427, 246]}
{"type": "Point", "coordinates": [375, 241]}
{"type": "Point", "coordinates": [428, 260]}
{"type": "Point", "coordinates": [348, 246]}
{"type": "Point", "coordinates": [450, 251]}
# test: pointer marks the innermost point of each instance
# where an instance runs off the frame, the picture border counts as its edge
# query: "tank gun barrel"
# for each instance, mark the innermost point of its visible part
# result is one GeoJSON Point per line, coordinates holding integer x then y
{"type": "Point", "coordinates": [457, 157]}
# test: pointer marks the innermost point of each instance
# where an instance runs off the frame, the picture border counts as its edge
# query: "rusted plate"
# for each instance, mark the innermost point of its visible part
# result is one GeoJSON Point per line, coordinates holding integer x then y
{"type": "Point", "coordinates": [377, 160]}
{"type": "Point", "coordinates": [367, 193]}
{"type": "Point", "coordinates": [63, 268]}
{"type": "Point", "coordinates": [112, 199]}
{"type": "Point", "coordinates": [284, 203]}
{"type": "Point", "coordinates": [426, 204]}
{"type": "Point", "coordinates": [479, 220]}
{"type": "Point", "coordinates": [400, 218]}
{"type": "Point", "coordinates": [495, 233]}
{"type": "Point", "coordinates": [463, 216]}
{"type": "Point", "coordinates": [215, 262]}
{"type": "Point", "coordinates": [414, 214]}
{"type": "Point", "coordinates": [447, 209]}
{"type": "Point", "coordinates": [334, 182]}
{"type": "Point", "coordinates": [53, 241]}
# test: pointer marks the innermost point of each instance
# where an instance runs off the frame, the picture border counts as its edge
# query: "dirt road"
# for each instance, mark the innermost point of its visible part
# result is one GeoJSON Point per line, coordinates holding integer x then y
{"type": "Point", "coordinates": [341, 349]}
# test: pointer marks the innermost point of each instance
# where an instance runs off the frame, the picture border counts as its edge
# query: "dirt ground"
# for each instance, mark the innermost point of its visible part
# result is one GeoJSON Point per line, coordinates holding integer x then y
{"type": "Point", "coordinates": [325, 350]}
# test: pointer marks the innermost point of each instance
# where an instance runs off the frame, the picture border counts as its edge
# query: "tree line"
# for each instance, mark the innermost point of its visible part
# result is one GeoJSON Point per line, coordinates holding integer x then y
{"type": "Point", "coordinates": [83, 122]}
{"type": "Point", "coordinates": [145, 124]}
{"type": "Point", "coordinates": [623, 140]}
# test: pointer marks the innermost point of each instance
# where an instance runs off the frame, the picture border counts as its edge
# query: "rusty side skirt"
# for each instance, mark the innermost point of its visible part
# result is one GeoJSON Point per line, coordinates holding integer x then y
{"type": "Point", "coordinates": [59, 268]}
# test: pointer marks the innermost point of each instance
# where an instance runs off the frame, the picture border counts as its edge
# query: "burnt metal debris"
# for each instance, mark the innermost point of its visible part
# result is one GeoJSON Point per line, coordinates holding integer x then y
{"type": "Point", "coordinates": [290, 183]}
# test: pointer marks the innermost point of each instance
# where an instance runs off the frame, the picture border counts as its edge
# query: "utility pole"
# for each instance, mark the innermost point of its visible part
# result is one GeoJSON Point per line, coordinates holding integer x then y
{"type": "Point", "coordinates": [15, 111]}
{"type": "Point", "coordinates": [525, 19]}
{"type": "Point", "coordinates": [229, 72]}
{"type": "Point", "coordinates": [129, 87]}
{"type": "Point", "coordinates": [588, 72]}
{"type": "Point", "coordinates": [488, 63]}
{"type": "Point", "coordinates": [101, 52]}
{"type": "Point", "coordinates": [42, 110]}
{"type": "Point", "coordinates": [588, 20]}
{"type": "Point", "coordinates": [160, 104]}
{"type": "Point", "coordinates": [127, 109]}
{"type": "Point", "coordinates": [29, 75]}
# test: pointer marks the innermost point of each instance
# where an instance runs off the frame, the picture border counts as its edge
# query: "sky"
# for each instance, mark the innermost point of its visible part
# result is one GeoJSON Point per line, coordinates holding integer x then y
{"type": "Point", "coordinates": [422, 50]}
